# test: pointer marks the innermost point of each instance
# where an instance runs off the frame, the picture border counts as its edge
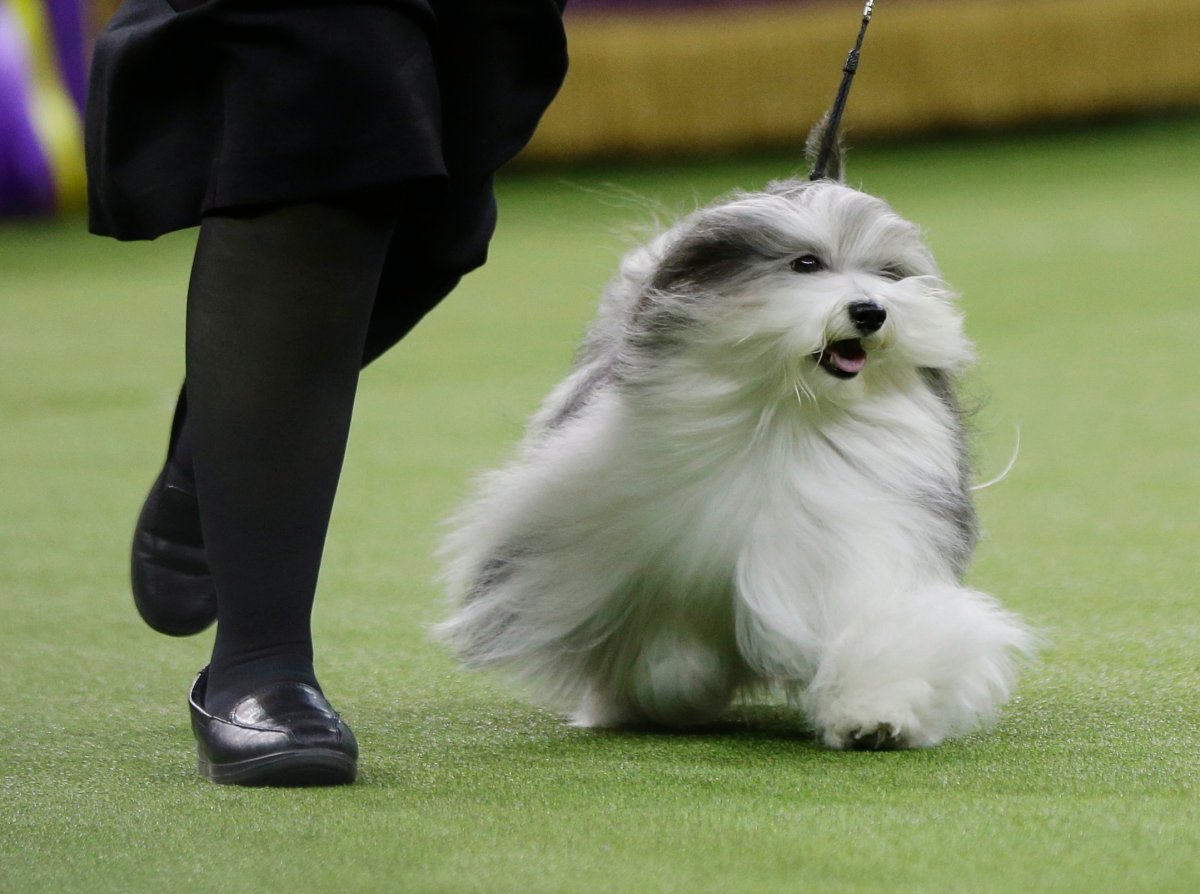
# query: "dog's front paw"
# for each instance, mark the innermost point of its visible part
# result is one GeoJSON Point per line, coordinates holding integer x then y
{"type": "Point", "coordinates": [881, 721]}
{"type": "Point", "coordinates": [934, 664]}
{"type": "Point", "coordinates": [879, 737]}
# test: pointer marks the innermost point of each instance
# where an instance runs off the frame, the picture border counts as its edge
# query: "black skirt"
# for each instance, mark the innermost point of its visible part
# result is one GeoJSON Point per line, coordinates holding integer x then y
{"type": "Point", "coordinates": [198, 105]}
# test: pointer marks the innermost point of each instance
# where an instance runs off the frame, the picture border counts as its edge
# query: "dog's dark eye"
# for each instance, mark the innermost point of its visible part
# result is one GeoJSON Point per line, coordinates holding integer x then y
{"type": "Point", "coordinates": [807, 264]}
{"type": "Point", "coordinates": [894, 273]}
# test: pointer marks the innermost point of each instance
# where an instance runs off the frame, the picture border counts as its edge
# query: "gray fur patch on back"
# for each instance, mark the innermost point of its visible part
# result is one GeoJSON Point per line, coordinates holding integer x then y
{"type": "Point", "coordinates": [956, 504]}
{"type": "Point", "coordinates": [582, 395]}
{"type": "Point", "coordinates": [495, 571]}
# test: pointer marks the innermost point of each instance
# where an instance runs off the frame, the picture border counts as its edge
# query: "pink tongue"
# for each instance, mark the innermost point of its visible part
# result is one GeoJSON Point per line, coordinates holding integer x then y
{"type": "Point", "coordinates": [848, 356]}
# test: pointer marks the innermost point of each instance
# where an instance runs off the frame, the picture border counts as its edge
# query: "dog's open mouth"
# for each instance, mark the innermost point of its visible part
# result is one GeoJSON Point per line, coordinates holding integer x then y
{"type": "Point", "coordinates": [844, 359]}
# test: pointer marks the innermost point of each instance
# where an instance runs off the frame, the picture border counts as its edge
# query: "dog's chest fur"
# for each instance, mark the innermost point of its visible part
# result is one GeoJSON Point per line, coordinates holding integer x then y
{"type": "Point", "coordinates": [690, 486]}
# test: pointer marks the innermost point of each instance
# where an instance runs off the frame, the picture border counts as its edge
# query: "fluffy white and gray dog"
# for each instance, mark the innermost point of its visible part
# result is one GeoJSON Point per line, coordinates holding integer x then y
{"type": "Point", "coordinates": [754, 479]}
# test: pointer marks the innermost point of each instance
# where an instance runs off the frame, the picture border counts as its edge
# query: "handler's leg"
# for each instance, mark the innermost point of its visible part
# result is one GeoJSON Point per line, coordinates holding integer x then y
{"type": "Point", "coordinates": [437, 240]}
{"type": "Point", "coordinates": [278, 309]}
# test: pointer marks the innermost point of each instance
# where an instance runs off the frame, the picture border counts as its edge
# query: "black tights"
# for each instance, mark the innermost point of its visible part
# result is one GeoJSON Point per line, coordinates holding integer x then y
{"type": "Point", "coordinates": [282, 313]}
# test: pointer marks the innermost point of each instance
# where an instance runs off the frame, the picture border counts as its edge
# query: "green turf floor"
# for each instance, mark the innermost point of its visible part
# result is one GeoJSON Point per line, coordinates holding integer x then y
{"type": "Point", "coordinates": [1079, 258]}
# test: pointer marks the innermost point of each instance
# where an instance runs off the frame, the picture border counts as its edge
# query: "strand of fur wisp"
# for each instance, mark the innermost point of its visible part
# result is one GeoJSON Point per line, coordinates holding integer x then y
{"type": "Point", "coordinates": [829, 137]}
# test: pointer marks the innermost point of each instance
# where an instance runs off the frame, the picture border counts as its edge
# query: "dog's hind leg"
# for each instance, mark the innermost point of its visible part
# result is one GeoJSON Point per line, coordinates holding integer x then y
{"type": "Point", "coordinates": [679, 678]}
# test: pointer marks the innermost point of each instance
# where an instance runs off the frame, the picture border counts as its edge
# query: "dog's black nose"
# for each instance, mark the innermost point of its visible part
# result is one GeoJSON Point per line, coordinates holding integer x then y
{"type": "Point", "coordinates": [867, 316]}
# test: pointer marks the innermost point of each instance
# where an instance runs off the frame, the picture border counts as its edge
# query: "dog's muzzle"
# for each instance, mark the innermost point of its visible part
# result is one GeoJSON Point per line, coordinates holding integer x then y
{"type": "Point", "coordinates": [846, 358]}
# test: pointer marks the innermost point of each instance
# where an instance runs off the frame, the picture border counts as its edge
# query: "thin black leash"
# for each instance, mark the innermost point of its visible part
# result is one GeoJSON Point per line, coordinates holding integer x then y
{"type": "Point", "coordinates": [829, 138]}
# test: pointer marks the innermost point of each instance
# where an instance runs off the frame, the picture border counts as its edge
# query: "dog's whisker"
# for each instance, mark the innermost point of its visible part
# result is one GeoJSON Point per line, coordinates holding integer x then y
{"type": "Point", "coordinates": [1012, 462]}
{"type": "Point", "coordinates": [808, 390]}
{"type": "Point", "coordinates": [763, 425]}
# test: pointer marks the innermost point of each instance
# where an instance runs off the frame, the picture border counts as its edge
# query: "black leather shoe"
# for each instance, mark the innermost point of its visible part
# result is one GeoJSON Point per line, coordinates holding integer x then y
{"type": "Point", "coordinates": [282, 734]}
{"type": "Point", "coordinates": [169, 574]}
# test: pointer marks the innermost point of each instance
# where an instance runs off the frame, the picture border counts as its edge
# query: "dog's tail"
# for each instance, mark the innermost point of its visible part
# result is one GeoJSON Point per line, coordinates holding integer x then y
{"type": "Point", "coordinates": [834, 162]}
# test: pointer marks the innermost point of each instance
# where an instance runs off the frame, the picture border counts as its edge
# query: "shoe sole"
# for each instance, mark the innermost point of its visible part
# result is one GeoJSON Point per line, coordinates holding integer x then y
{"type": "Point", "coordinates": [311, 766]}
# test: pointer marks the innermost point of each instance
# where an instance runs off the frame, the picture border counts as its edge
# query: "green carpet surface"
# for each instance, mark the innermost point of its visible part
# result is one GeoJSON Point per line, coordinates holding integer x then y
{"type": "Point", "coordinates": [1077, 255]}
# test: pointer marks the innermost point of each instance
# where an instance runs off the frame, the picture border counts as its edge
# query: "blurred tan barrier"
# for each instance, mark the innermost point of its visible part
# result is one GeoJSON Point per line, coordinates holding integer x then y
{"type": "Point", "coordinates": [718, 80]}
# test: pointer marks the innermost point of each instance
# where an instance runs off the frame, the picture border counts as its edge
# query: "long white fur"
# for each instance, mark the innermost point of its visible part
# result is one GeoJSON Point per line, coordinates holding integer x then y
{"type": "Point", "coordinates": [700, 510]}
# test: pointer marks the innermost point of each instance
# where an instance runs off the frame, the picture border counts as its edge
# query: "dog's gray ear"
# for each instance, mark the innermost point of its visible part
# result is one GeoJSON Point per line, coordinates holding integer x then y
{"type": "Point", "coordinates": [834, 164]}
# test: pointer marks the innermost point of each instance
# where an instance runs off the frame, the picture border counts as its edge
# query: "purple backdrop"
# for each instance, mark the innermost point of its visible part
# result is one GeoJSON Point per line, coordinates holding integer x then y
{"type": "Point", "coordinates": [26, 182]}
{"type": "Point", "coordinates": [26, 179]}
{"type": "Point", "coordinates": [66, 22]}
